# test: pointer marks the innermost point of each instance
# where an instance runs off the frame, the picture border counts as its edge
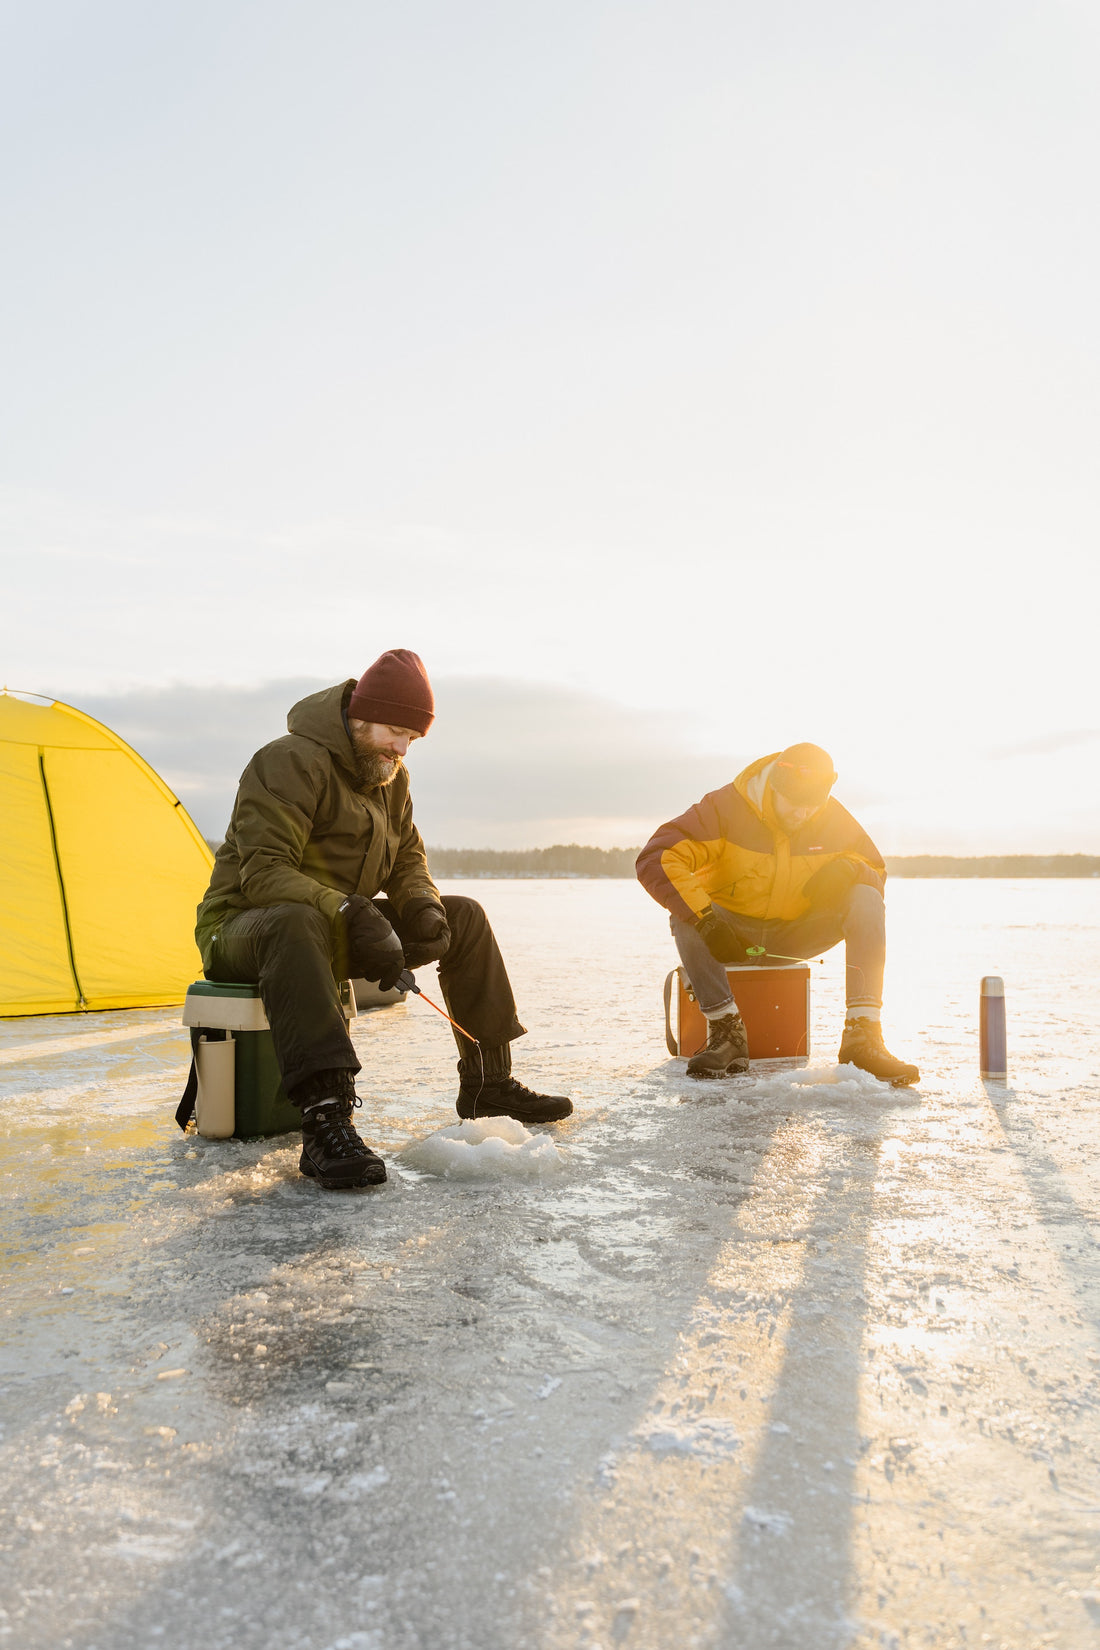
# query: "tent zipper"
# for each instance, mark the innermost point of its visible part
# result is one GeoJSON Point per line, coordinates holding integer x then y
{"type": "Point", "coordinates": [82, 1001]}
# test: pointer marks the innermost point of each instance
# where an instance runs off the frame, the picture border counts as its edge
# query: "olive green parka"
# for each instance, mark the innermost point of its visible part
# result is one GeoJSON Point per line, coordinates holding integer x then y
{"type": "Point", "coordinates": [303, 833]}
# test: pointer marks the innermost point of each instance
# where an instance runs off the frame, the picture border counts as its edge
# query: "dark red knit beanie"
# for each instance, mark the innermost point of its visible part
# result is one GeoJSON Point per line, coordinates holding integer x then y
{"type": "Point", "coordinates": [395, 690]}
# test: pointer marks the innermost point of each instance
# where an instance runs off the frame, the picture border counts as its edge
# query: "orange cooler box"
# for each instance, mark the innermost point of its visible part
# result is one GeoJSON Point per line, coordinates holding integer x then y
{"type": "Point", "coordinates": [774, 1004]}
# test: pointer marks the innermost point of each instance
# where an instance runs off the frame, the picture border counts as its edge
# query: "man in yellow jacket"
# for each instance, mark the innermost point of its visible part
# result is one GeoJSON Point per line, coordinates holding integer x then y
{"type": "Point", "coordinates": [772, 866]}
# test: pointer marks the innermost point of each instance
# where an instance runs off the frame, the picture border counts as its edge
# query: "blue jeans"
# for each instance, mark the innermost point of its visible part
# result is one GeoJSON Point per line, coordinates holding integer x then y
{"type": "Point", "coordinates": [860, 923]}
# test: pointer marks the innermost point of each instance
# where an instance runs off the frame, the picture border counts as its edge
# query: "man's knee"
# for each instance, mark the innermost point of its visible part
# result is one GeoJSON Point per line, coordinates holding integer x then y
{"type": "Point", "coordinates": [464, 914]}
{"type": "Point", "coordinates": [296, 927]}
{"type": "Point", "coordinates": [865, 908]}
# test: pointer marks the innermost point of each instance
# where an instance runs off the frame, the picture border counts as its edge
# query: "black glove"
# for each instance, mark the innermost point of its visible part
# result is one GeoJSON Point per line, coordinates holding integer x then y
{"type": "Point", "coordinates": [831, 884]}
{"type": "Point", "coordinates": [426, 935]}
{"type": "Point", "coordinates": [366, 945]}
{"type": "Point", "coordinates": [720, 940]}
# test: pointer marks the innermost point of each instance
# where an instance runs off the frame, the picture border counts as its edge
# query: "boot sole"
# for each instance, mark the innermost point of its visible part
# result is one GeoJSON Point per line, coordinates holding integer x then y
{"type": "Point", "coordinates": [372, 1175]}
{"type": "Point", "coordinates": [736, 1069]}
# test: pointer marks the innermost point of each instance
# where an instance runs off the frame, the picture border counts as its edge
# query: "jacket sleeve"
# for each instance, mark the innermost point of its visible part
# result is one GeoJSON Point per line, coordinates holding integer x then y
{"type": "Point", "coordinates": [409, 876]}
{"type": "Point", "coordinates": [858, 847]}
{"type": "Point", "coordinates": [677, 862]}
{"type": "Point", "coordinates": [278, 798]}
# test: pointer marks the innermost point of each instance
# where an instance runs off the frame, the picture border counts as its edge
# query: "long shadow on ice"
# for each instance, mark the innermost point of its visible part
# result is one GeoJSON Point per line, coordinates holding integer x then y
{"type": "Point", "coordinates": [793, 1579]}
{"type": "Point", "coordinates": [721, 1514]}
{"type": "Point", "coordinates": [1056, 1206]}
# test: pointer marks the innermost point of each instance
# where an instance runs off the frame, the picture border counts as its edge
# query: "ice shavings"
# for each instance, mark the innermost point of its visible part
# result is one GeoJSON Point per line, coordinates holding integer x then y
{"type": "Point", "coordinates": [487, 1148]}
{"type": "Point", "coordinates": [706, 1440]}
{"type": "Point", "coordinates": [844, 1083]}
{"type": "Point", "coordinates": [361, 1483]}
{"type": "Point", "coordinates": [370, 1639]}
{"type": "Point", "coordinates": [770, 1523]}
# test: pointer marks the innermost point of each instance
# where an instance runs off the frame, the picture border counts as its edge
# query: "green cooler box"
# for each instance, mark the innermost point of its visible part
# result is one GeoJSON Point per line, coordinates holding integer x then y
{"type": "Point", "coordinates": [240, 1091]}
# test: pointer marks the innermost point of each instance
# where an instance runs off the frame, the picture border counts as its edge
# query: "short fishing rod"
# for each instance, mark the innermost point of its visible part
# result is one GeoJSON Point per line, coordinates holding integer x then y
{"type": "Point", "coordinates": [406, 982]}
{"type": "Point", "coordinates": [762, 951]}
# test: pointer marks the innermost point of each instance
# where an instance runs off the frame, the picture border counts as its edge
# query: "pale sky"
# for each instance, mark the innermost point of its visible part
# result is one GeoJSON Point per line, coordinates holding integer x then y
{"type": "Point", "coordinates": [679, 380]}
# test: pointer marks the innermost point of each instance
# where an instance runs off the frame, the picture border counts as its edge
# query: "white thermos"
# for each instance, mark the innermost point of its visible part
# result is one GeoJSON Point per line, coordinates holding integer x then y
{"type": "Point", "coordinates": [215, 1100]}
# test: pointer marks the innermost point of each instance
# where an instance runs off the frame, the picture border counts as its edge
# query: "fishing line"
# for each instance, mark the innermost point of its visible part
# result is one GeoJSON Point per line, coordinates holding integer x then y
{"type": "Point", "coordinates": [405, 982]}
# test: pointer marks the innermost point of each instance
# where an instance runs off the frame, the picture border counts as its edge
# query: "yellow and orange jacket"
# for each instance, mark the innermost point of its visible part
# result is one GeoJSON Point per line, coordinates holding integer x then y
{"type": "Point", "coordinates": [731, 851]}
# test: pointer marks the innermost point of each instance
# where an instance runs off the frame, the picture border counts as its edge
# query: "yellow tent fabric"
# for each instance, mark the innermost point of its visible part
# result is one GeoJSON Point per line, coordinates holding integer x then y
{"type": "Point", "coordinates": [101, 868]}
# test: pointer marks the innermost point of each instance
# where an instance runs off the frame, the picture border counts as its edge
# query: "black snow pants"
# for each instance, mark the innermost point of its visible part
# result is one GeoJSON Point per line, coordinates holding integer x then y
{"type": "Point", "coordinates": [288, 951]}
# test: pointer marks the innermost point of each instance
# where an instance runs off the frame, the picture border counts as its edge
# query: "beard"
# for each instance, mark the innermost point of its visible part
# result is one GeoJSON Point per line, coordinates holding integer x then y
{"type": "Point", "coordinates": [373, 766]}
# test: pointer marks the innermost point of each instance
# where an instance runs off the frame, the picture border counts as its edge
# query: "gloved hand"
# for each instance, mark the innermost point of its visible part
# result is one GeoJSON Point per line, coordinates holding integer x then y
{"type": "Point", "coordinates": [831, 884]}
{"type": "Point", "coordinates": [721, 941]}
{"type": "Point", "coordinates": [426, 936]}
{"type": "Point", "coordinates": [366, 944]}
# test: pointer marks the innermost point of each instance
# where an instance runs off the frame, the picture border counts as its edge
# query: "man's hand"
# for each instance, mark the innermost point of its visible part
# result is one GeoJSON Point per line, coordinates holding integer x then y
{"type": "Point", "coordinates": [426, 934]}
{"type": "Point", "coordinates": [721, 941]}
{"type": "Point", "coordinates": [830, 885]}
{"type": "Point", "coordinates": [366, 944]}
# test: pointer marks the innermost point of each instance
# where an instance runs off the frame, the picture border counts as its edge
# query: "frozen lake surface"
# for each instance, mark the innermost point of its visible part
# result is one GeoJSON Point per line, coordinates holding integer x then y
{"type": "Point", "coordinates": [790, 1360]}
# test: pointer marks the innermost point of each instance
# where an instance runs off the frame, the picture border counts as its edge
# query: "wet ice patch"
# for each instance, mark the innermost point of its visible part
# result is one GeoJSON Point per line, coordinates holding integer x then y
{"type": "Point", "coordinates": [110, 1097]}
{"type": "Point", "coordinates": [706, 1440]}
{"type": "Point", "coordinates": [487, 1148]}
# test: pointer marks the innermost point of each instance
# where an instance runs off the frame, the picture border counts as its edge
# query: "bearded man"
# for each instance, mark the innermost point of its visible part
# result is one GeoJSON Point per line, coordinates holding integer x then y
{"type": "Point", "coordinates": [321, 826]}
{"type": "Point", "coordinates": [767, 868]}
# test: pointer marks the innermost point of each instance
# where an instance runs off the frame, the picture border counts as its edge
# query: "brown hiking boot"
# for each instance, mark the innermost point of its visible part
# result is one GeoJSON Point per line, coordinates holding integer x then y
{"type": "Point", "coordinates": [862, 1046]}
{"type": "Point", "coordinates": [727, 1050]}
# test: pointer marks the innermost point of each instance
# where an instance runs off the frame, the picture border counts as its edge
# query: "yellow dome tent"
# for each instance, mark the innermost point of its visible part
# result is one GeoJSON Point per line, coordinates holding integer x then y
{"type": "Point", "coordinates": [101, 869]}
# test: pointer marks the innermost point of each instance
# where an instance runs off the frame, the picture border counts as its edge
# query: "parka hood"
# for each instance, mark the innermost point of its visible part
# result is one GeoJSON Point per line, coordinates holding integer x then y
{"type": "Point", "coordinates": [753, 784]}
{"type": "Point", "coordinates": [319, 717]}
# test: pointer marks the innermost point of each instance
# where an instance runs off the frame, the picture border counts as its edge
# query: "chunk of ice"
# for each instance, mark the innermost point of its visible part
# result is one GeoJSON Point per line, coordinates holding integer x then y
{"type": "Point", "coordinates": [486, 1148]}
{"type": "Point", "coordinates": [710, 1440]}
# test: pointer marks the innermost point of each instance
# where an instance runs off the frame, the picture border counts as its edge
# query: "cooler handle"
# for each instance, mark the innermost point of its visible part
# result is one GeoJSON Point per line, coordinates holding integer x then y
{"type": "Point", "coordinates": [670, 1041]}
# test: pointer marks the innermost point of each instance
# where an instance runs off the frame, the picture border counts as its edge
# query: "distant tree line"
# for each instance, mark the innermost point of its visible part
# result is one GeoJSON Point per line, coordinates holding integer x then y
{"type": "Point", "coordinates": [563, 860]}
{"type": "Point", "coordinates": [995, 865]}
{"type": "Point", "coordinates": [573, 860]}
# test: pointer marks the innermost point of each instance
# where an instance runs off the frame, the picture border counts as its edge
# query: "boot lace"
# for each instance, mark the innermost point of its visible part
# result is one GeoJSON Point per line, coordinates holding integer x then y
{"type": "Point", "coordinates": [515, 1090]}
{"type": "Point", "coordinates": [729, 1029]}
{"type": "Point", "coordinates": [331, 1128]}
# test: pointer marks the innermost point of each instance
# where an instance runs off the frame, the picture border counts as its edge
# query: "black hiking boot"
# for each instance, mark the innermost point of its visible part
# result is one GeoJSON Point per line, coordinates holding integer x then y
{"type": "Point", "coordinates": [862, 1046]}
{"type": "Point", "coordinates": [727, 1050]}
{"type": "Point", "coordinates": [488, 1089]}
{"type": "Point", "coordinates": [332, 1151]}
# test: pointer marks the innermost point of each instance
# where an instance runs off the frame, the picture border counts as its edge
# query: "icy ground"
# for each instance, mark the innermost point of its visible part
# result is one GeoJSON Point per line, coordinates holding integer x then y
{"type": "Point", "coordinates": [793, 1360]}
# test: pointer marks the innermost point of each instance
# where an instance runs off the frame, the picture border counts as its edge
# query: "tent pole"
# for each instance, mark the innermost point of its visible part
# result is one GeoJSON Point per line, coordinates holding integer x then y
{"type": "Point", "coordinates": [82, 1000]}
